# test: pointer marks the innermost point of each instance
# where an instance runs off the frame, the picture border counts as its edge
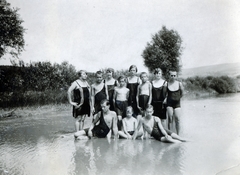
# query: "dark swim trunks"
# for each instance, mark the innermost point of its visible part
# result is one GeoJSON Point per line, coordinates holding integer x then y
{"type": "Point", "coordinates": [173, 98]}
{"type": "Point", "coordinates": [121, 108]}
{"type": "Point", "coordinates": [156, 132]}
{"type": "Point", "coordinates": [143, 101]}
{"type": "Point", "coordinates": [101, 130]}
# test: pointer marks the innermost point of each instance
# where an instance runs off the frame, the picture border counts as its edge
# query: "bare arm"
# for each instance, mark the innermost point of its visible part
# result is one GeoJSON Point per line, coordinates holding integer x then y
{"type": "Point", "coordinates": [150, 93]}
{"type": "Point", "coordinates": [93, 97]}
{"type": "Point", "coordinates": [114, 125]}
{"type": "Point", "coordinates": [69, 92]}
{"type": "Point", "coordinates": [95, 120]}
{"type": "Point", "coordinates": [137, 96]}
{"type": "Point", "coordinates": [137, 129]}
{"type": "Point", "coordinates": [181, 89]}
{"type": "Point", "coordinates": [114, 97]}
{"type": "Point", "coordinates": [106, 91]}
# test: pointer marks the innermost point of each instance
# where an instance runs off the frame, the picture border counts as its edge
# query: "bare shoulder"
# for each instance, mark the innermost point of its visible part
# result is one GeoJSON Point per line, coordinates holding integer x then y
{"type": "Point", "coordinates": [156, 119]}
{"type": "Point", "coordinates": [113, 113]}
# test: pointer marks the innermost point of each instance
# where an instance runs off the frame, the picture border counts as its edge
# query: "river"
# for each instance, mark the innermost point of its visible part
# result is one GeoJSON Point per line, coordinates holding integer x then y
{"type": "Point", "coordinates": [44, 144]}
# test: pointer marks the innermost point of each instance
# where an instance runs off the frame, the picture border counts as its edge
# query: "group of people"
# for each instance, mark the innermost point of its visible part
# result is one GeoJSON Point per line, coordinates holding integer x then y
{"type": "Point", "coordinates": [129, 107]}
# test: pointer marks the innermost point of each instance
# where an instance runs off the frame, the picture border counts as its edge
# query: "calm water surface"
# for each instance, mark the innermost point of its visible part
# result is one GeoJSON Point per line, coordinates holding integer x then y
{"type": "Point", "coordinates": [44, 144]}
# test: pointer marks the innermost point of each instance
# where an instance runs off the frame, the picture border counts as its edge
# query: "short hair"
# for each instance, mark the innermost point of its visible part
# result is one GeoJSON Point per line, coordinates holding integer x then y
{"type": "Point", "coordinates": [149, 107]}
{"type": "Point", "coordinates": [133, 66]}
{"type": "Point", "coordinates": [121, 77]}
{"type": "Point", "coordinates": [80, 72]}
{"type": "Point", "coordinates": [110, 70]}
{"type": "Point", "coordinates": [157, 70]}
{"type": "Point", "coordinates": [130, 107]}
{"type": "Point", "coordinates": [99, 73]}
{"type": "Point", "coordinates": [143, 74]}
{"type": "Point", "coordinates": [105, 101]}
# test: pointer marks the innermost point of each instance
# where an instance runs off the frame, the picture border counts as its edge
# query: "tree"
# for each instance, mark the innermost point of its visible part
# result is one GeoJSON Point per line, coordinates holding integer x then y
{"type": "Point", "coordinates": [11, 31]}
{"type": "Point", "coordinates": [163, 51]}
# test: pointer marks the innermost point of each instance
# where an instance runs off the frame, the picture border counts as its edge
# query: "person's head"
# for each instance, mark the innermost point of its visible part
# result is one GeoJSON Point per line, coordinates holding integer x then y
{"type": "Point", "coordinates": [110, 72]}
{"type": "Point", "coordinates": [121, 81]}
{"type": "Point", "coordinates": [149, 111]}
{"type": "Point", "coordinates": [105, 105]}
{"type": "Point", "coordinates": [158, 73]}
{"type": "Point", "coordinates": [99, 76]}
{"type": "Point", "coordinates": [129, 111]}
{"type": "Point", "coordinates": [133, 69]}
{"type": "Point", "coordinates": [82, 74]}
{"type": "Point", "coordinates": [144, 77]}
{"type": "Point", "coordinates": [172, 74]}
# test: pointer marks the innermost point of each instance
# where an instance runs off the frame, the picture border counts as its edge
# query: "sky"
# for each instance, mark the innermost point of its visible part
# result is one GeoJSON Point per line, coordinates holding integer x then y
{"type": "Point", "coordinates": [92, 35]}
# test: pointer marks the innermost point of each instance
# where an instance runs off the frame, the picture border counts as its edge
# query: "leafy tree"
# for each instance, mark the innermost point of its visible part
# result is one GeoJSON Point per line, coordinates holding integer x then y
{"type": "Point", "coordinates": [163, 51]}
{"type": "Point", "coordinates": [11, 31]}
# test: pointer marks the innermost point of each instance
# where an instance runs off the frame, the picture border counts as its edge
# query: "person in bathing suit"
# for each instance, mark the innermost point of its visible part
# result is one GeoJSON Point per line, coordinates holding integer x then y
{"type": "Point", "coordinates": [111, 84]}
{"type": "Point", "coordinates": [174, 95]}
{"type": "Point", "coordinates": [144, 93]}
{"type": "Point", "coordinates": [120, 97]}
{"type": "Point", "coordinates": [129, 125]}
{"type": "Point", "coordinates": [158, 96]}
{"type": "Point", "coordinates": [99, 92]}
{"type": "Point", "coordinates": [132, 84]}
{"type": "Point", "coordinates": [102, 126]}
{"type": "Point", "coordinates": [152, 127]}
{"type": "Point", "coordinates": [79, 97]}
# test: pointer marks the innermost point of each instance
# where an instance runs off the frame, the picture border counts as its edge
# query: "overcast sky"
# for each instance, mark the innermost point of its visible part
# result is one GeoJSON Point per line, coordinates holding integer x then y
{"type": "Point", "coordinates": [95, 34]}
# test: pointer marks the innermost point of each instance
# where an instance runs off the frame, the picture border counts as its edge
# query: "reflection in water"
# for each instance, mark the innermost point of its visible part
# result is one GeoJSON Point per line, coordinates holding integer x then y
{"type": "Point", "coordinates": [45, 145]}
{"type": "Point", "coordinates": [98, 156]}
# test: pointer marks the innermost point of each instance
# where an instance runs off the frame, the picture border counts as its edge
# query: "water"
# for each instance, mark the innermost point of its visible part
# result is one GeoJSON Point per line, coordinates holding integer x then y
{"type": "Point", "coordinates": [44, 144]}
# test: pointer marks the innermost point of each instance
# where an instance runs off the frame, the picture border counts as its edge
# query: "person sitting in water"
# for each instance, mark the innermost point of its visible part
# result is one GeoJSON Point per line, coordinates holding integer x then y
{"type": "Point", "coordinates": [129, 125]}
{"type": "Point", "coordinates": [107, 123]}
{"type": "Point", "coordinates": [152, 126]}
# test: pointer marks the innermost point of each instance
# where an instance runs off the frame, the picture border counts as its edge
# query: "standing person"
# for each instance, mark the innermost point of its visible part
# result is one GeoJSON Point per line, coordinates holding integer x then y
{"type": "Point", "coordinates": [99, 92]}
{"type": "Point", "coordinates": [120, 100]}
{"type": "Point", "coordinates": [103, 124]}
{"type": "Point", "coordinates": [174, 95]}
{"type": "Point", "coordinates": [152, 126]}
{"type": "Point", "coordinates": [144, 93]}
{"type": "Point", "coordinates": [129, 125]}
{"type": "Point", "coordinates": [111, 84]}
{"type": "Point", "coordinates": [81, 101]}
{"type": "Point", "coordinates": [158, 96]}
{"type": "Point", "coordinates": [132, 84]}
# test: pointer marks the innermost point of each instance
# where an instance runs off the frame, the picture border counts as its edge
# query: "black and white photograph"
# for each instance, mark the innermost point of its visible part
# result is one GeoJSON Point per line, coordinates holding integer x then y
{"type": "Point", "coordinates": [125, 87]}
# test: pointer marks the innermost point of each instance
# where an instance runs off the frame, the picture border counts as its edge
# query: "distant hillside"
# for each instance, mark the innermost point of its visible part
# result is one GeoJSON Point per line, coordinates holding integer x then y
{"type": "Point", "coordinates": [229, 69]}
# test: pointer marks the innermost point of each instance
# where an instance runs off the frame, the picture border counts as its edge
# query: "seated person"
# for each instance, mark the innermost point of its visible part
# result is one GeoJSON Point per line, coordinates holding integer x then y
{"type": "Point", "coordinates": [107, 122]}
{"type": "Point", "coordinates": [153, 127]}
{"type": "Point", "coordinates": [129, 125]}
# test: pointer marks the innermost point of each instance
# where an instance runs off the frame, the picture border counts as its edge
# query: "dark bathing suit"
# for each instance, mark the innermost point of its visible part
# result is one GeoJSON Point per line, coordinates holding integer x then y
{"type": "Point", "coordinates": [157, 102]}
{"type": "Point", "coordinates": [132, 97]}
{"type": "Point", "coordinates": [156, 132]}
{"type": "Point", "coordinates": [173, 98]}
{"type": "Point", "coordinates": [143, 101]}
{"type": "Point", "coordinates": [101, 130]}
{"type": "Point", "coordinates": [110, 94]}
{"type": "Point", "coordinates": [85, 108]}
{"type": "Point", "coordinates": [101, 95]}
